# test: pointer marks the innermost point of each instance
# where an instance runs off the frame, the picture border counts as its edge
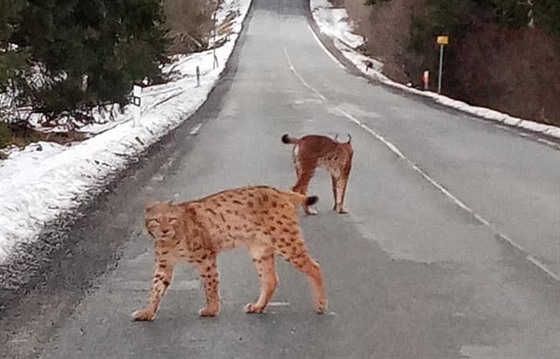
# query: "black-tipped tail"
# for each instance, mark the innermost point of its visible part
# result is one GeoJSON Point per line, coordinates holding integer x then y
{"type": "Point", "coordinates": [311, 200]}
{"type": "Point", "coordinates": [287, 139]}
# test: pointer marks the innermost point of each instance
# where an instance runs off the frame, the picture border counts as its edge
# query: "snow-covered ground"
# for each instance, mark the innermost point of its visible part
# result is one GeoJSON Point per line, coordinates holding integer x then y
{"type": "Point", "coordinates": [334, 22]}
{"type": "Point", "coordinates": [45, 180]}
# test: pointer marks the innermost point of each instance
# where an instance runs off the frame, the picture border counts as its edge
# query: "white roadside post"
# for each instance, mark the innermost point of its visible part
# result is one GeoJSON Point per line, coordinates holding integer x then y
{"type": "Point", "coordinates": [136, 104]}
{"type": "Point", "coordinates": [215, 62]}
{"type": "Point", "coordinates": [426, 79]}
{"type": "Point", "coordinates": [442, 41]}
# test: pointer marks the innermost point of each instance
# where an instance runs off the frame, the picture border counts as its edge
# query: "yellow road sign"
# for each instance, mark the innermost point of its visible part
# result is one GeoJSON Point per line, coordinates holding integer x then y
{"type": "Point", "coordinates": [443, 40]}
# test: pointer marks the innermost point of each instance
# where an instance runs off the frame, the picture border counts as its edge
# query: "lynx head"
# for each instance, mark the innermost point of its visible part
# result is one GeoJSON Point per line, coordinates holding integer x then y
{"type": "Point", "coordinates": [163, 220]}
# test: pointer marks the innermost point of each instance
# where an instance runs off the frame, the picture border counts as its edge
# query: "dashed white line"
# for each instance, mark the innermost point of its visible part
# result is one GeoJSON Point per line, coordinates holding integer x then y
{"type": "Point", "coordinates": [293, 69]}
{"type": "Point", "coordinates": [542, 266]}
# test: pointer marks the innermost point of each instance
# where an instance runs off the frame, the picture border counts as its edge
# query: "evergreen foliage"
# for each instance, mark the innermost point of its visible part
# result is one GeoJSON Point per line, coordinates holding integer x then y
{"type": "Point", "coordinates": [89, 52]}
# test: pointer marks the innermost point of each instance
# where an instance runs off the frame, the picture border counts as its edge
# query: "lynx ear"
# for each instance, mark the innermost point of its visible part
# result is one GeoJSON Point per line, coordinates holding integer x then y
{"type": "Point", "coordinates": [349, 138]}
{"type": "Point", "coordinates": [151, 206]}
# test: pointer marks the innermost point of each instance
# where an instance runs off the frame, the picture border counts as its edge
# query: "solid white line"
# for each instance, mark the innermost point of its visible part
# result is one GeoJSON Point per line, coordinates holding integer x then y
{"type": "Point", "coordinates": [195, 130]}
{"type": "Point", "coordinates": [326, 50]}
{"type": "Point", "coordinates": [449, 195]}
{"type": "Point", "coordinates": [293, 69]}
{"type": "Point", "coordinates": [434, 183]}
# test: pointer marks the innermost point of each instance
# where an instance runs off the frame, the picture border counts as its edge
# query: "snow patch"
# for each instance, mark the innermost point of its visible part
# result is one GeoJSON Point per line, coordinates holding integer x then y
{"type": "Point", "coordinates": [45, 180]}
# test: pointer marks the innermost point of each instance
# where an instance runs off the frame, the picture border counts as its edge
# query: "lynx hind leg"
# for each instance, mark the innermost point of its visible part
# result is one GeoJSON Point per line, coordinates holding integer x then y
{"type": "Point", "coordinates": [334, 181]}
{"type": "Point", "coordinates": [341, 184]}
{"type": "Point", "coordinates": [265, 263]}
{"type": "Point", "coordinates": [292, 249]}
{"type": "Point", "coordinates": [208, 270]}
{"type": "Point", "coordinates": [304, 172]}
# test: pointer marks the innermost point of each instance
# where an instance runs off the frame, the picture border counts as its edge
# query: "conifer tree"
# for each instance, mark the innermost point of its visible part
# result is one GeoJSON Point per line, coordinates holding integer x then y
{"type": "Point", "coordinates": [91, 51]}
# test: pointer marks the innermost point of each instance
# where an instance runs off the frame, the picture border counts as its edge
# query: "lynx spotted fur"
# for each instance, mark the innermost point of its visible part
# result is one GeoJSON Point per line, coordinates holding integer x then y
{"type": "Point", "coordinates": [261, 218]}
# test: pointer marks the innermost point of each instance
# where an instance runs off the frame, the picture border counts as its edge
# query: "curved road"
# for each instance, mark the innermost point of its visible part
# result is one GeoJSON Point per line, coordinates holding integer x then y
{"type": "Point", "coordinates": [453, 226]}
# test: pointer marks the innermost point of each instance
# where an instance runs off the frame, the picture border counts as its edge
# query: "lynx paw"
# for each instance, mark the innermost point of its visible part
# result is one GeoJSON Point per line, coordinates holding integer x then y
{"type": "Point", "coordinates": [207, 312]}
{"type": "Point", "coordinates": [251, 308]}
{"type": "Point", "coordinates": [321, 306]}
{"type": "Point", "coordinates": [340, 209]}
{"type": "Point", "coordinates": [143, 315]}
{"type": "Point", "coordinates": [310, 211]}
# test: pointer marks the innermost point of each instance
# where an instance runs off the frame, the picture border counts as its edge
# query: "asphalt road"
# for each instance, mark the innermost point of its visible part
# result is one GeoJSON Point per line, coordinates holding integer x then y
{"type": "Point", "coordinates": [421, 267]}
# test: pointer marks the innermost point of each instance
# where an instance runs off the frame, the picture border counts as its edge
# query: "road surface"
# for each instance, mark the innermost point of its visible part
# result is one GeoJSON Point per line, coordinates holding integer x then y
{"type": "Point", "coordinates": [453, 226]}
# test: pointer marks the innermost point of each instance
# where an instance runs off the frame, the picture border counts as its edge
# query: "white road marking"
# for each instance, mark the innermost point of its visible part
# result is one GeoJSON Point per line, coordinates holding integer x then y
{"type": "Point", "coordinates": [292, 68]}
{"type": "Point", "coordinates": [433, 182]}
{"type": "Point", "coordinates": [452, 197]}
{"type": "Point", "coordinates": [195, 130]}
{"type": "Point", "coordinates": [278, 304]}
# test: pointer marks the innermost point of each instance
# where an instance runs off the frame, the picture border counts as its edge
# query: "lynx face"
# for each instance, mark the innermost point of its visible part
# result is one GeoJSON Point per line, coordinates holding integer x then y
{"type": "Point", "coordinates": [163, 220]}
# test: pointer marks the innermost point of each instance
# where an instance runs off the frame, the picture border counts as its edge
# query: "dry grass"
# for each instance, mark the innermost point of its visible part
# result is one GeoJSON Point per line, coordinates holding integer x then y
{"type": "Point", "coordinates": [190, 24]}
{"type": "Point", "coordinates": [21, 136]}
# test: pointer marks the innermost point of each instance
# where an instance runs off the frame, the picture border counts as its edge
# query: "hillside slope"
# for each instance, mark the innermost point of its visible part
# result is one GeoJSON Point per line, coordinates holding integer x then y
{"type": "Point", "coordinates": [513, 70]}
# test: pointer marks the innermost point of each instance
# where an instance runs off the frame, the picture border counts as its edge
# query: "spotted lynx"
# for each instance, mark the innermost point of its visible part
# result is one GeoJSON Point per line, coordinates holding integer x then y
{"type": "Point", "coordinates": [261, 218]}
{"type": "Point", "coordinates": [314, 151]}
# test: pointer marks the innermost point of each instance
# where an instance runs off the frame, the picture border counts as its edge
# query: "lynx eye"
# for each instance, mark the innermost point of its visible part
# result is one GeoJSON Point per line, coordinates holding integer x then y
{"type": "Point", "coordinates": [152, 223]}
{"type": "Point", "coordinates": [173, 221]}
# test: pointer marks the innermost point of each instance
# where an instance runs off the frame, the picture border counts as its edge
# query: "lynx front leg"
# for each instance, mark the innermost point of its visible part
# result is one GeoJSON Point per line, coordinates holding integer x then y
{"type": "Point", "coordinates": [161, 280]}
{"type": "Point", "coordinates": [266, 269]}
{"type": "Point", "coordinates": [208, 270]}
{"type": "Point", "coordinates": [340, 193]}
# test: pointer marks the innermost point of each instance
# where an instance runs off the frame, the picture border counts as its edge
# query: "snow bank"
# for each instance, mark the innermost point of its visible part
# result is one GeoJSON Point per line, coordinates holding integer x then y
{"type": "Point", "coordinates": [45, 180]}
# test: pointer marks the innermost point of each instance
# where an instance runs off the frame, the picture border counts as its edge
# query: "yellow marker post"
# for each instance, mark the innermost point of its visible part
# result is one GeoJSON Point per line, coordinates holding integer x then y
{"type": "Point", "coordinates": [442, 41]}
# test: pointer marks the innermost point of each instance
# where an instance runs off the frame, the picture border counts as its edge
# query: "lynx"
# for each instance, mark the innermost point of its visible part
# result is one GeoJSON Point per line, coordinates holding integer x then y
{"type": "Point", "coordinates": [315, 151]}
{"type": "Point", "coordinates": [262, 218]}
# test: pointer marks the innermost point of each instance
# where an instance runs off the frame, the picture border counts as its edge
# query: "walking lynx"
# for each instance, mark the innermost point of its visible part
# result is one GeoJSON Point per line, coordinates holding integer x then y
{"type": "Point", "coordinates": [261, 218]}
{"type": "Point", "coordinates": [315, 151]}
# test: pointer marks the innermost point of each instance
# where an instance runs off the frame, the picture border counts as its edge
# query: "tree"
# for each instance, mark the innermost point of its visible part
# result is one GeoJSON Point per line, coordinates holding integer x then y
{"type": "Point", "coordinates": [90, 51]}
{"type": "Point", "coordinates": [547, 15]}
{"type": "Point", "coordinates": [13, 60]}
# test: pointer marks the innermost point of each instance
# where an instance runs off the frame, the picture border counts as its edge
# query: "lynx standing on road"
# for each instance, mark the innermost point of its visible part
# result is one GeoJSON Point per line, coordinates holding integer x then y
{"type": "Point", "coordinates": [314, 151]}
{"type": "Point", "coordinates": [262, 218]}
